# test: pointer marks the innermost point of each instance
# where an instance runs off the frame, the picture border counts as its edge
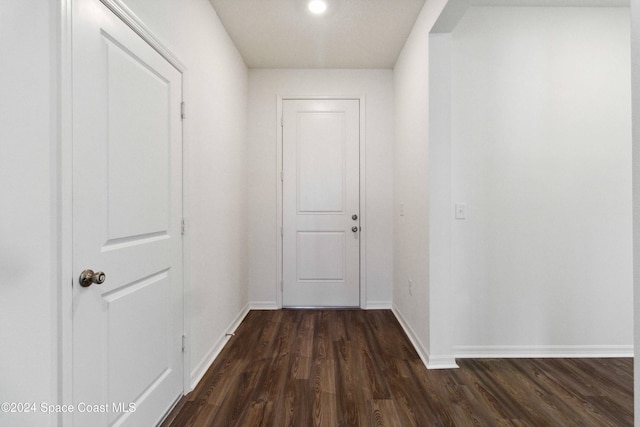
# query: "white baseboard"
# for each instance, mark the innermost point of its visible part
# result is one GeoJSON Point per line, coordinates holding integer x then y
{"type": "Point", "coordinates": [442, 362]}
{"type": "Point", "coordinates": [270, 305]}
{"type": "Point", "coordinates": [378, 305]}
{"type": "Point", "coordinates": [431, 362]}
{"type": "Point", "coordinates": [542, 351]}
{"type": "Point", "coordinates": [263, 305]}
{"type": "Point", "coordinates": [205, 363]}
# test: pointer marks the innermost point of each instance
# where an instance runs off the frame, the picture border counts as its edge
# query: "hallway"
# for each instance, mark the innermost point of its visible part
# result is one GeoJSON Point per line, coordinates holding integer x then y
{"type": "Point", "coordinates": [496, 213]}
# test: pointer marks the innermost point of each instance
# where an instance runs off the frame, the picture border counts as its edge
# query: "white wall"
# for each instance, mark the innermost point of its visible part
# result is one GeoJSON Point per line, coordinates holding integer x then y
{"type": "Point", "coordinates": [586, 312]}
{"type": "Point", "coordinates": [412, 304]}
{"type": "Point", "coordinates": [541, 149]}
{"type": "Point", "coordinates": [264, 87]}
{"type": "Point", "coordinates": [440, 192]}
{"type": "Point", "coordinates": [27, 222]}
{"type": "Point", "coordinates": [635, 74]}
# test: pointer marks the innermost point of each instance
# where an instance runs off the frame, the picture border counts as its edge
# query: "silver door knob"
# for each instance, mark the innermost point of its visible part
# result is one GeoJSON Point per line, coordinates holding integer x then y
{"type": "Point", "coordinates": [354, 229]}
{"type": "Point", "coordinates": [88, 278]}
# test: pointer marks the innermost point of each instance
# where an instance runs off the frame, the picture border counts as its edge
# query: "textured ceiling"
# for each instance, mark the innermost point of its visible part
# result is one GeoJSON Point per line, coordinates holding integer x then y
{"type": "Point", "coordinates": [352, 34]}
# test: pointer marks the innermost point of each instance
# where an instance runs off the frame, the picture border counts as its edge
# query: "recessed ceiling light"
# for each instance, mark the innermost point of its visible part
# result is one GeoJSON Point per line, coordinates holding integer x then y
{"type": "Point", "coordinates": [317, 7]}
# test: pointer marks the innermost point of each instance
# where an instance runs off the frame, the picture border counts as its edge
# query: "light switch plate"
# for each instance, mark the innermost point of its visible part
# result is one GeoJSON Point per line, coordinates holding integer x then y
{"type": "Point", "coordinates": [461, 211]}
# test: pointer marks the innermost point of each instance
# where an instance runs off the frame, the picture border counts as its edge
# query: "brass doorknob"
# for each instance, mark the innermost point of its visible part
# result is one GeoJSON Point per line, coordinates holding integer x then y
{"type": "Point", "coordinates": [354, 229]}
{"type": "Point", "coordinates": [88, 278]}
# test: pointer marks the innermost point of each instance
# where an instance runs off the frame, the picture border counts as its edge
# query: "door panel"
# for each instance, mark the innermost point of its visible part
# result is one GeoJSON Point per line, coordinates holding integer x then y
{"type": "Point", "coordinates": [328, 267]}
{"type": "Point", "coordinates": [321, 255]}
{"type": "Point", "coordinates": [321, 150]}
{"type": "Point", "coordinates": [138, 148]}
{"type": "Point", "coordinates": [125, 327]}
{"type": "Point", "coordinates": [127, 212]}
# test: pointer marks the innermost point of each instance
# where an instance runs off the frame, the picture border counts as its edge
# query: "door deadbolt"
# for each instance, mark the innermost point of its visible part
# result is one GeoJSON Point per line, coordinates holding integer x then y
{"type": "Point", "coordinates": [354, 217]}
{"type": "Point", "coordinates": [88, 278]}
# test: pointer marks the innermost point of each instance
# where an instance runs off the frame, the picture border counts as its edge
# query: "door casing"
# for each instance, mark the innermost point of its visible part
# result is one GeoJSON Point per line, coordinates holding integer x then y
{"type": "Point", "coordinates": [363, 193]}
{"type": "Point", "coordinates": [62, 206]}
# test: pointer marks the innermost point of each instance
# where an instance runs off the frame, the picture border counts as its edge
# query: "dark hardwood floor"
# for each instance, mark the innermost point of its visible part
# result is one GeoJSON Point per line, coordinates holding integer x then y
{"type": "Point", "coordinates": [306, 368]}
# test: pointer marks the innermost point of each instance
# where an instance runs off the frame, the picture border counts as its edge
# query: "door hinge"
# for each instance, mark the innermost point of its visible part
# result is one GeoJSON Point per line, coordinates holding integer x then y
{"type": "Point", "coordinates": [182, 227]}
{"type": "Point", "coordinates": [281, 285]}
{"type": "Point", "coordinates": [281, 121]}
{"type": "Point", "coordinates": [183, 110]}
{"type": "Point", "coordinates": [184, 343]}
{"type": "Point", "coordinates": [281, 231]}
{"type": "Point", "coordinates": [281, 176]}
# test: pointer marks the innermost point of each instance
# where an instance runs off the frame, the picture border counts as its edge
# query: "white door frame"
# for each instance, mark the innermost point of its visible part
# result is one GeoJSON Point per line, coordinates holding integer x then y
{"type": "Point", "coordinates": [62, 204]}
{"type": "Point", "coordinates": [363, 193]}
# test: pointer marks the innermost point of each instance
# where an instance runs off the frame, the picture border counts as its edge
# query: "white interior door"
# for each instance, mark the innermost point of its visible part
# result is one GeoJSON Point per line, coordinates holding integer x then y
{"type": "Point", "coordinates": [321, 199]}
{"type": "Point", "coordinates": [127, 213]}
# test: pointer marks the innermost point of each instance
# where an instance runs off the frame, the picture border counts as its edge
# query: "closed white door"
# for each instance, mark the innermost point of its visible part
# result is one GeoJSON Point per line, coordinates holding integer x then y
{"type": "Point", "coordinates": [127, 213]}
{"type": "Point", "coordinates": [321, 199]}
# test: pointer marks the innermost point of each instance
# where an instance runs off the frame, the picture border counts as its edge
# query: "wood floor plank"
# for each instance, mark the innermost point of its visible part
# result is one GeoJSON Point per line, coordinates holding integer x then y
{"type": "Point", "coordinates": [383, 413]}
{"type": "Point", "coordinates": [567, 385]}
{"type": "Point", "coordinates": [546, 403]}
{"type": "Point", "coordinates": [346, 385]}
{"type": "Point", "coordinates": [335, 368]}
{"type": "Point", "coordinates": [303, 348]}
{"type": "Point", "coordinates": [522, 401]}
{"type": "Point", "coordinates": [607, 380]}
